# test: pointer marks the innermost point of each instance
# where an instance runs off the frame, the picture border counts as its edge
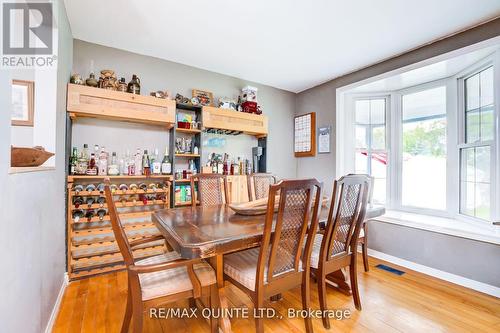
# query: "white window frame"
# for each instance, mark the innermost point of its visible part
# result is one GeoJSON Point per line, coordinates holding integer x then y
{"type": "Point", "coordinates": [493, 60]}
{"type": "Point", "coordinates": [350, 141]}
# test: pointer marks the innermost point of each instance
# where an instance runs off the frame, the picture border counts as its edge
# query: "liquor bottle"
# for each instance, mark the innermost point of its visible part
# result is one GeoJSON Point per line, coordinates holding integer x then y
{"type": "Point", "coordinates": [90, 188]}
{"type": "Point", "coordinates": [122, 168]}
{"type": "Point", "coordinates": [100, 187]}
{"type": "Point", "coordinates": [166, 166]}
{"type": "Point", "coordinates": [92, 168]}
{"type": "Point", "coordinates": [102, 167]}
{"type": "Point", "coordinates": [83, 161]}
{"type": "Point", "coordinates": [191, 167]}
{"type": "Point", "coordinates": [77, 215]}
{"type": "Point", "coordinates": [225, 169]}
{"type": "Point", "coordinates": [138, 162]}
{"type": "Point", "coordinates": [146, 164]}
{"type": "Point", "coordinates": [123, 187]}
{"type": "Point", "coordinates": [90, 214]}
{"type": "Point", "coordinates": [77, 201]}
{"type": "Point", "coordinates": [220, 166]}
{"type": "Point", "coordinates": [143, 186]}
{"type": "Point", "coordinates": [101, 201]}
{"type": "Point", "coordinates": [231, 169]}
{"type": "Point", "coordinates": [236, 167]}
{"type": "Point", "coordinates": [129, 164]}
{"type": "Point", "coordinates": [73, 161]}
{"type": "Point", "coordinates": [78, 189]}
{"type": "Point", "coordinates": [155, 163]}
{"type": "Point", "coordinates": [113, 168]}
{"type": "Point", "coordinates": [101, 213]}
{"type": "Point", "coordinates": [249, 167]}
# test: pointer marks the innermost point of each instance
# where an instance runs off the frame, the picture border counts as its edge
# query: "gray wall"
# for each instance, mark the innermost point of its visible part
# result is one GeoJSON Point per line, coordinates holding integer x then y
{"type": "Point", "coordinates": [33, 220]}
{"type": "Point", "coordinates": [420, 247]}
{"type": "Point", "coordinates": [157, 74]}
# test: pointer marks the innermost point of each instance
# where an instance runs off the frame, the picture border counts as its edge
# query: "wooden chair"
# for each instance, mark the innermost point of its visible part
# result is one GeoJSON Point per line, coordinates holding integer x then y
{"type": "Point", "coordinates": [258, 185]}
{"type": "Point", "coordinates": [212, 190]}
{"type": "Point", "coordinates": [363, 235]}
{"type": "Point", "coordinates": [160, 279]}
{"type": "Point", "coordinates": [280, 263]}
{"type": "Point", "coordinates": [337, 247]}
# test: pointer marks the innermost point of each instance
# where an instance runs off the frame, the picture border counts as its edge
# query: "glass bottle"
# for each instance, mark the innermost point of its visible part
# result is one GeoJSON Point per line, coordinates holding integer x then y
{"type": "Point", "coordinates": [113, 169]}
{"type": "Point", "coordinates": [77, 215]}
{"type": "Point", "coordinates": [166, 166]}
{"type": "Point", "coordinates": [143, 186]}
{"type": "Point", "coordinates": [77, 201]}
{"type": "Point", "coordinates": [83, 161]}
{"type": "Point", "coordinates": [89, 201]}
{"type": "Point", "coordinates": [156, 163]}
{"type": "Point", "coordinates": [133, 187]}
{"type": "Point", "coordinates": [101, 213]}
{"type": "Point", "coordinates": [92, 168]}
{"type": "Point", "coordinates": [78, 189]}
{"type": "Point", "coordinates": [146, 164]}
{"type": "Point", "coordinates": [100, 187]}
{"type": "Point", "coordinates": [138, 162]}
{"type": "Point", "coordinates": [102, 169]}
{"type": "Point", "coordinates": [90, 188]}
{"type": "Point", "coordinates": [73, 161]}
{"type": "Point", "coordinates": [134, 86]}
{"type": "Point", "coordinates": [90, 214]}
{"type": "Point", "coordinates": [101, 201]}
{"type": "Point", "coordinates": [123, 187]}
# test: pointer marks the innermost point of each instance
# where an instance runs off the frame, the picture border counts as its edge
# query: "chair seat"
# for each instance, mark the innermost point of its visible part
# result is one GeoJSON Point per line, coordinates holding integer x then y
{"type": "Point", "coordinates": [242, 267]}
{"type": "Point", "coordinates": [317, 248]}
{"type": "Point", "coordinates": [174, 280]}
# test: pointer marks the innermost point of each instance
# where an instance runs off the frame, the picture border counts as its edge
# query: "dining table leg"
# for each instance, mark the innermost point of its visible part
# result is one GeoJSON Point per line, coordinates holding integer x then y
{"type": "Point", "coordinates": [218, 264]}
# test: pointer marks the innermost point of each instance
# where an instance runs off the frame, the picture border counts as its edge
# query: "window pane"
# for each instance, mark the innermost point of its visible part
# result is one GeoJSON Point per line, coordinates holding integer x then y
{"type": "Point", "coordinates": [378, 137]}
{"type": "Point", "coordinates": [363, 112]}
{"type": "Point", "coordinates": [379, 172]}
{"type": "Point", "coordinates": [361, 136]}
{"type": "Point", "coordinates": [377, 120]}
{"type": "Point", "coordinates": [482, 201]}
{"type": "Point", "coordinates": [475, 182]}
{"type": "Point", "coordinates": [486, 82]}
{"type": "Point", "coordinates": [482, 164]}
{"type": "Point", "coordinates": [424, 149]}
{"type": "Point", "coordinates": [487, 124]}
{"type": "Point", "coordinates": [361, 162]}
{"type": "Point", "coordinates": [472, 126]}
{"type": "Point", "coordinates": [472, 92]}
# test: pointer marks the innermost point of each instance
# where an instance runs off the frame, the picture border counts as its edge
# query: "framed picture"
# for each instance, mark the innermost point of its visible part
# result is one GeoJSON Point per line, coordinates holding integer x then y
{"type": "Point", "coordinates": [305, 135]}
{"type": "Point", "coordinates": [324, 139]}
{"type": "Point", "coordinates": [22, 103]}
{"type": "Point", "coordinates": [205, 98]}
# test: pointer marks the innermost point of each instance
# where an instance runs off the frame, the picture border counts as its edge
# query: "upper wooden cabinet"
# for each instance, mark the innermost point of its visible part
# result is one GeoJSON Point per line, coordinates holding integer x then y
{"type": "Point", "coordinates": [92, 102]}
{"type": "Point", "coordinates": [231, 120]}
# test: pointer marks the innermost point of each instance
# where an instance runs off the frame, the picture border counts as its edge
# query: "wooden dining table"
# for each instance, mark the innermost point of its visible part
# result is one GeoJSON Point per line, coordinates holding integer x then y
{"type": "Point", "coordinates": [210, 232]}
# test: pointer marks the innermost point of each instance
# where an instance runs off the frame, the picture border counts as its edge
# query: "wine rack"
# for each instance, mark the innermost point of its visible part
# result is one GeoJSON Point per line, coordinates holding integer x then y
{"type": "Point", "coordinates": [92, 248]}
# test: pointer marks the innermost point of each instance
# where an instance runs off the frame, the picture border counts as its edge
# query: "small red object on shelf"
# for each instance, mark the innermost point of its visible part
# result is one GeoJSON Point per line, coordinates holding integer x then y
{"type": "Point", "coordinates": [249, 107]}
{"type": "Point", "coordinates": [183, 124]}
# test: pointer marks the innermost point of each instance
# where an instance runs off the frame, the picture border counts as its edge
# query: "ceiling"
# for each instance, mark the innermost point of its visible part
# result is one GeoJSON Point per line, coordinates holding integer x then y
{"type": "Point", "coordinates": [291, 45]}
{"type": "Point", "coordinates": [428, 73]}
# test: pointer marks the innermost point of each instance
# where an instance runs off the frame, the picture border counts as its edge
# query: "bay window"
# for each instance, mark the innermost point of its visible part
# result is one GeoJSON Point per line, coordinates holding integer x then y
{"type": "Point", "coordinates": [431, 148]}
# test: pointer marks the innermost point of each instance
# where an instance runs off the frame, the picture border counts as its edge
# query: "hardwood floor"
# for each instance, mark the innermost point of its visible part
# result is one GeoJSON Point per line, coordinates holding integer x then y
{"type": "Point", "coordinates": [412, 302]}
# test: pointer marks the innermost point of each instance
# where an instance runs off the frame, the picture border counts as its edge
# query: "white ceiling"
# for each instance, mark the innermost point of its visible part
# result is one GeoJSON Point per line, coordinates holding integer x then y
{"type": "Point", "coordinates": [292, 45]}
{"type": "Point", "coordinates": [428, 73]}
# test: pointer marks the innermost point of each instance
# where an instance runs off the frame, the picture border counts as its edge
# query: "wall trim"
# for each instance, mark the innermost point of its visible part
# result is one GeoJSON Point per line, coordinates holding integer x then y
{"type": "Point", "coordinates": [57, 304]}
{"type": "Point", "coordinates": [456, 279]}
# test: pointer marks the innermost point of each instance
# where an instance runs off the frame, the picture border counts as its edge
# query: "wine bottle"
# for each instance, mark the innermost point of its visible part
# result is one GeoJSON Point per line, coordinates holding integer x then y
{"type": "Point", "coordinates": [90, 214]}
{"type": "Point", "coordinates": [100, 187]}
{"type": "Point", "coordinates": [77, 214]}
{"type": "Point", "coordinates": [90, 201]}
{"type": "Point", "coordinates": [144, 198]}
{"type": "Point", "coordinates": [78, 189]}
{"type": "Point", "coordinates": [73, 161]}
{"type": "Point", "coordinates": [133, 187]}
{"type": "Point", "coordinates": [77, 201]}
{"type": "Point", "coordinates": [166, 166]}
{"type": "Point", "coordinates": [113, 188]}
{"type": "Point", "coordinates": [101, 201]}
{"type": "Point", "coordinates": [101, 213]}
{"type": "Point", "coordinates": [123, 187]}
{"type": "Point", "coordinates": [143, 187]}
{"type": "Point", "coordinates": [90, 188]}
{"type": "Point", "coordinates": [153, 187]}
{"type": "Point", "coordinates": [123, 200]}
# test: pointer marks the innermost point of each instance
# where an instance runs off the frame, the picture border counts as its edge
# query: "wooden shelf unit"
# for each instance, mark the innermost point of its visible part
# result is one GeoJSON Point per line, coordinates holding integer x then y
{"type": "Point", "coordinates": [90, 102]}
{"type": "Point", "coordinates": [234, 121]}
{"type": "Point", "coordinates": [188, 130]}
{"type": "Point", "coordinates": [91, 244]}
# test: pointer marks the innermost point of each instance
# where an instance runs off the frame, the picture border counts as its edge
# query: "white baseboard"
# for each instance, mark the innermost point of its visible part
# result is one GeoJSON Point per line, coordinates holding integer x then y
{"type": "Point", "coordinates": [57, 304]}
{"type": "Point", "coordinates": [456, 279]}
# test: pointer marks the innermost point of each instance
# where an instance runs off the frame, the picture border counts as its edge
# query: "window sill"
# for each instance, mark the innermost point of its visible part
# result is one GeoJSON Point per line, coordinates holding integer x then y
{"type": "Point", "coordinates": [470, 230]}
{"type": "Point", "coordinates": [13, 170]}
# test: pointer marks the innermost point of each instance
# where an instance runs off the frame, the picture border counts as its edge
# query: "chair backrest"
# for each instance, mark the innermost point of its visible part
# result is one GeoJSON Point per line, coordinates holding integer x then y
{"type": "Point", "coordinates": [371, 186]}
{"type": "Point", "coordinates": [347, 212]}
{"type": "Point", "coordinates": [258, 185]}
{"type": "Point", "coordinates": [282, 250]}
{"type": "Point", "coordinates": [120, 235]}
{"type": "Point", "coordinates": [212, 190]}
